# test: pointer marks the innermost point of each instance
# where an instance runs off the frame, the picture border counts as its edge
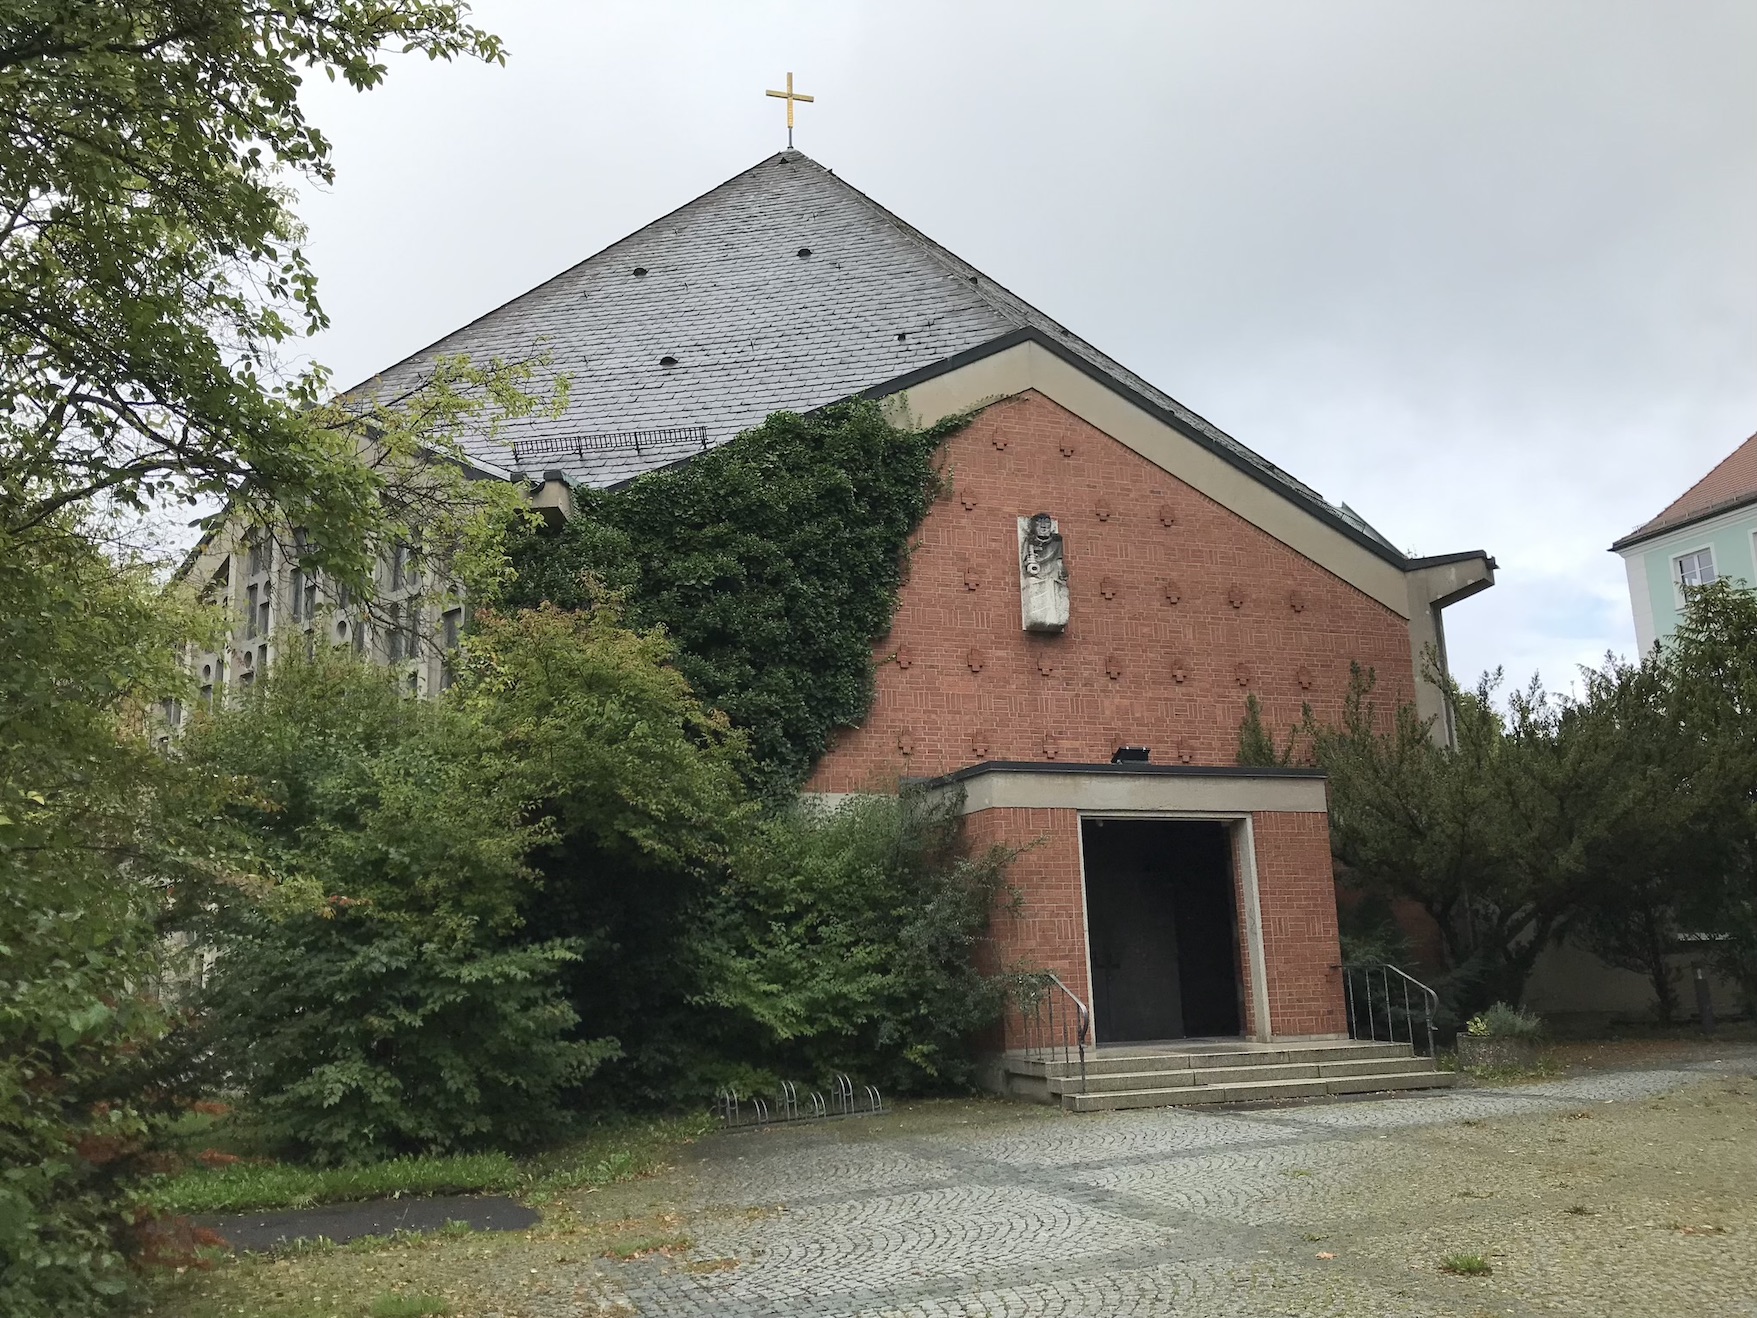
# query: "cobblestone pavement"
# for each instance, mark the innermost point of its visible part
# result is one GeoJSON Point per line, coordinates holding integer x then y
{"type": "Point", "coordinates": [1616, 1193]}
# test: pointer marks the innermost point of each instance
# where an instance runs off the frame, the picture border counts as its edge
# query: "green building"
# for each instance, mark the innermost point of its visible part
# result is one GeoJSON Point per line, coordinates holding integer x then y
{"type": "Point", "coordinates": [1706, 533]}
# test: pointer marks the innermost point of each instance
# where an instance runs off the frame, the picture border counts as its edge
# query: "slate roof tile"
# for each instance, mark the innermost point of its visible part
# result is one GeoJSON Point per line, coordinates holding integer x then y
{"type": "Point", "coordinates": [755, 327]}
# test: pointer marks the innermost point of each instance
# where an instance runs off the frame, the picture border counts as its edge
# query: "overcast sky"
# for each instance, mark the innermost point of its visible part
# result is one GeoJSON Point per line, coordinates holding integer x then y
{"type": "Point", "coordinates": [1485, 271]}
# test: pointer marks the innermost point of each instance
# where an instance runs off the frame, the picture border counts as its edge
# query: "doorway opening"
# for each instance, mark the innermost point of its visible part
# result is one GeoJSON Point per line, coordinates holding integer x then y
{"type": "Point", "coordinates": [1162, 929]}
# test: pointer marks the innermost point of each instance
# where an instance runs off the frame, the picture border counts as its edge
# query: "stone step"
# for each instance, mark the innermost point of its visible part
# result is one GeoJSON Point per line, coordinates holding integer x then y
{"type": "Point", "coordinates": [1226, 1075]}
{"type": "Point", "coordinates": [1257, 1091]}
{"type": "Point", "coordinates": [1105, 1061]}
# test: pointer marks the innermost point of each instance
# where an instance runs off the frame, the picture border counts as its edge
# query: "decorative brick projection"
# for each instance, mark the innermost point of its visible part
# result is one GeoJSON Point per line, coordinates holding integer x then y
{"type": "Point", "coordinates": [1300, 945]}
{"type": "Point", "coordinates": [1180, 609]}
{"type": "Point", "coordinates": [1048, 930]}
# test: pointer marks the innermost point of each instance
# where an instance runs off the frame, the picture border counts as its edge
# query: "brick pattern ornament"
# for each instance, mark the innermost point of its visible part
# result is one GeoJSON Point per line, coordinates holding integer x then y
{"type": "Point", "coordinates": [1043, 575]}
{"type": "Point", "coordinates": [1171, 625]}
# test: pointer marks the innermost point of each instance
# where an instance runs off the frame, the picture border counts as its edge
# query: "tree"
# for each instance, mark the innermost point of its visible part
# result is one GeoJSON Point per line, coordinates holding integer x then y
{"type": "Point", "coordinates": [1477, 833]}
{"type": "Point", "coordinates": [150, 279]}
{"type": "Point", "coordinates": [151, 276]}
{"type": "Point", "coordinates": [1650, 842]}
{"type": "Point", "coordinates": [1711, 663]}
{"type": "Point", "coordinates": [85, 645]}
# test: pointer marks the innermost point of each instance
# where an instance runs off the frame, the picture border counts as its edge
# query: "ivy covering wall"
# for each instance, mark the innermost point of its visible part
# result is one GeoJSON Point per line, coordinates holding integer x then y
{"type": "Point", "coordinates": [773, 561]}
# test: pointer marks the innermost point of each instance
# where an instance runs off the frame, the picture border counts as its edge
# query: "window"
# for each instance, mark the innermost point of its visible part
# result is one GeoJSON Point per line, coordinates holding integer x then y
{"type": "Point", "coordinates": [394, 639]}
{"type": "Point", "coordinates": [250, 613]}
{"type": "Point", "coordinates": [1694, 569]}
{"type": "Point", "coordinates": [298, 591]}
{"type": "Point", "coordinates": [452, 620]}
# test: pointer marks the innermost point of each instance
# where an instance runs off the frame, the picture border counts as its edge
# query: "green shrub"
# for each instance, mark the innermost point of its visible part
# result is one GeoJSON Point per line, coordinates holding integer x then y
{"type": "Point", "coordinates": [357, 1037]}
{"type": "Point", "coordinates": [371, 995]}
{"type": "Point", "coordinates": [403, 976]}
{"type": "Point", "coordinates": [1503, 1022]}
{"type": "Point", "coordinates": [847, 940]}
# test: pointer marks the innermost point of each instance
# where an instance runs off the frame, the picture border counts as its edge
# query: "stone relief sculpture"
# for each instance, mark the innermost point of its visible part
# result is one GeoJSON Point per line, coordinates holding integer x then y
{"type": "Point", "coordinates": [1043, 575]}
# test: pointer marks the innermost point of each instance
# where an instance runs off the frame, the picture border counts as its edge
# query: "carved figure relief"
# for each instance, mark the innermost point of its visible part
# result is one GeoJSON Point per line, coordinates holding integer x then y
{"type": "Point", "coordinates": [1043, 575]}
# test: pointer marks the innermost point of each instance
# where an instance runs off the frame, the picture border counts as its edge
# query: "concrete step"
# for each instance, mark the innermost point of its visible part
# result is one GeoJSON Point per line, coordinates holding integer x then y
{"type": "Point", "coordinates": [1256, 1091]}
{"type": "Point", "coordinates": [1108, 1062]}
{"type": "Point", "coordinates": [1115, 1081]}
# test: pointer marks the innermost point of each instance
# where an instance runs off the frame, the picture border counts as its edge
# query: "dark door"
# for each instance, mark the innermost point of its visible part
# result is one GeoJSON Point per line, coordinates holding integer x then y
{"type": "Point", "coordinates": [1159, 911]}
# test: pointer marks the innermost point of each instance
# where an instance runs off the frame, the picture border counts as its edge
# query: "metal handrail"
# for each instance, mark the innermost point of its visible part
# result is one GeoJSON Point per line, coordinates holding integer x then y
{"type": "Point", "coordinates": [1430, 1004]}
{"type": "Point", "coordinates": [1043, 1012]}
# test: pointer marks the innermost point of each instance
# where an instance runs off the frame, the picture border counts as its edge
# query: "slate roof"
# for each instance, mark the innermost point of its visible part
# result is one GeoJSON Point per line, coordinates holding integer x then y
{"type": "Point", "coordinates": [1733, 482]}
{"type": "Point", "coordinates": [754, 325]}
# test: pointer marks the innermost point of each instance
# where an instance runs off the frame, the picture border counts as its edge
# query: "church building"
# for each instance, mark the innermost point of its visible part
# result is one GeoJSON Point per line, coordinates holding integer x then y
{"type": "Point", "coordinates": [1105, 582]}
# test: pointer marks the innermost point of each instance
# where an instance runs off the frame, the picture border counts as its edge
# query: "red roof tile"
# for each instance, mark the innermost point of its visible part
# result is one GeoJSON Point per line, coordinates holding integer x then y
{"type": "Point", "coordinates": [1733, 481]}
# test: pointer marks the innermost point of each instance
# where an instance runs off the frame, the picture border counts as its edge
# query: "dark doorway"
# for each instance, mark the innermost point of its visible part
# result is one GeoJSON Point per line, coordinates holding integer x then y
{"type": "Point", "coordinates": [1159, 914]}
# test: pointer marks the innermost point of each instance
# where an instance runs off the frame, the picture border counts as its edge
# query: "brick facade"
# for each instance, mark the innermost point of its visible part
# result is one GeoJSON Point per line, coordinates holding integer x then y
{"type": "Point", "coordinates": [1046, 929]}
{"type": "Point", "coordinates": [1301, 950]}
{"type": "Point", "coordinates": [1180, 609]}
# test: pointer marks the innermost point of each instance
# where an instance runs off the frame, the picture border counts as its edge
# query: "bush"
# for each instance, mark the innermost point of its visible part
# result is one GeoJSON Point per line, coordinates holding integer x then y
{"type": "Point", "coordinates": [1503, 1022]}
{"type": "Point", "coordinates": [370, 993]}
{"type": "Point", "coordinates": [847, 939]}
{"type": "Point", "coordinates": [359, 1037]}
{"type": "Point", "coordinates": [404, 979]}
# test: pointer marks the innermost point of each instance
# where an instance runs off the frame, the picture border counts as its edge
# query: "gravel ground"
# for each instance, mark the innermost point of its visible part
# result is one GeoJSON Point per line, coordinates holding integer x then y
{"type": "Point", "coordinates": [1622, 1192]}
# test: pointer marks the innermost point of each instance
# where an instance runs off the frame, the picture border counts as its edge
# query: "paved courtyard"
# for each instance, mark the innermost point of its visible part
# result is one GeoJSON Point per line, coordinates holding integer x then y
{"type": "Point", "coordinates": [1629, 1192]}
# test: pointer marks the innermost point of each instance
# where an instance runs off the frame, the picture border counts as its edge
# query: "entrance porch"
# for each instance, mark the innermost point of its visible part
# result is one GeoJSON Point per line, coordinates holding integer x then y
{"type": "Point", "coordinates": [1169, 901]}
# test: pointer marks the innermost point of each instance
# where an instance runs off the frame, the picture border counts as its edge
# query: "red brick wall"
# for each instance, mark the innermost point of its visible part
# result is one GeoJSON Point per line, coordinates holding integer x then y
{"type": "Point", "coordinates": [1297, 897]}
{"type": "Point", "coordinates": [1046, 930]}
{"type": "Point", "coordinates": [959, 682]}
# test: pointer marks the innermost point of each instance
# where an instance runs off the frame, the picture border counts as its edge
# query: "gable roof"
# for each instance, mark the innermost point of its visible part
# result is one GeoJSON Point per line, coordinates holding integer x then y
{"type": "Point", "coordinates": [782, 289]}
{"type": "Point", "coordinates": [1731, 484]}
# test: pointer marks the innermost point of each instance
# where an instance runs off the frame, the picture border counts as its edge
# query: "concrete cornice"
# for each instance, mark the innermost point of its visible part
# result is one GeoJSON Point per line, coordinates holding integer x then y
{"type": "Point", "coordinates": [1137, 789]}
{"type": "Point", "coordinates": [1028, 359]}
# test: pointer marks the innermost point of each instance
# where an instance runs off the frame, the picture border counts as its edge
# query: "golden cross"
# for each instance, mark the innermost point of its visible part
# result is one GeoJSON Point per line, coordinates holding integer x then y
{"type": "Point", "coordinates": [789, 96]}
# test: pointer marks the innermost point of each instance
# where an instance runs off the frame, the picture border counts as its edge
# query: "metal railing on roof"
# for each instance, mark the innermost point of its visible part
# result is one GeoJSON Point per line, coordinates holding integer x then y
{"type": "Point", "coordinates": [641, 442]}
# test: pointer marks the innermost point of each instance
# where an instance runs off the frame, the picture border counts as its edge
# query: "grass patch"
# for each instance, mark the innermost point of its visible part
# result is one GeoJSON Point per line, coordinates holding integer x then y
{"type": "Point", "coordinates": [401, 1305]}
{"type": "Point", "coordinates": [1466, 1265]}
{"type": "Point", "coordinates": [1542, 1067]}
{"type": "Point", "coordinates": [611, 1153]}
{"type": "Point", "coordinates": [244, 1186]}
{"type": "Point", "coordinates": [635, 1247]}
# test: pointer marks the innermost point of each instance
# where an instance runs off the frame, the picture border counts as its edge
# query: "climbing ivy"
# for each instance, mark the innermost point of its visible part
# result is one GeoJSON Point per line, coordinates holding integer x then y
{"type": "Point", "coordinates": [773, 561]}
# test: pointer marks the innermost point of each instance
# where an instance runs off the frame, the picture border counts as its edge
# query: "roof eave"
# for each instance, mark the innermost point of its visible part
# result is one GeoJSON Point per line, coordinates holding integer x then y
{"type": "Point", "coordinates": [1654, 530]}
{"type": "Point", "coordinates": [1031, 334]}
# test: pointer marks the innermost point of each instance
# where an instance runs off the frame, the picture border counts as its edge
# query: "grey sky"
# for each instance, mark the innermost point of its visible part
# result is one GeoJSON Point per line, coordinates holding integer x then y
{"type": "Point", "coordinates": [1486, 271]}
